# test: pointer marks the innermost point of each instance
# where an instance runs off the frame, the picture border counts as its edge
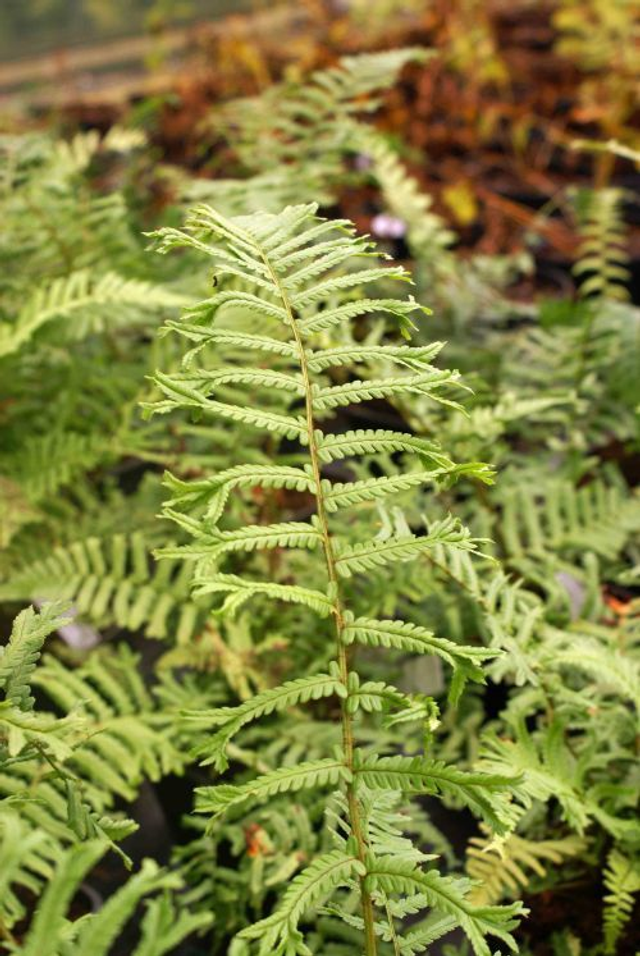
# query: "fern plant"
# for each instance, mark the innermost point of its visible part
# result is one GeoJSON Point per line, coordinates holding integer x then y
{"type": "Point", "coordinates": [602, 258]}
{"type": "Point", "coordinates": [57, 776]}
{"type": "Point", "coordinates": [303, 271]}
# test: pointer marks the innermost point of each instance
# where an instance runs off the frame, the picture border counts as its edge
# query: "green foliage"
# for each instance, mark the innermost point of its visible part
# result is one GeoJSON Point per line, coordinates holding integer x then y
{"type": "Point", "coordinates": [602, 258]}
{"type": "Point", "coordinates": [60, 773]}
{"type": "Point", "coordinates": [622, 881]}
{"type": "Point", "coordinates": [289, 259]}
{"type": "Point", "coordinates": [508, 867]}
{"type": "Point", "coordinates": [337, 566]}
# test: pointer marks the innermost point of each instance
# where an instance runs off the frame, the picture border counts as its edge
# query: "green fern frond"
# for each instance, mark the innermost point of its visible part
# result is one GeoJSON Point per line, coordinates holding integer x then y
{"type": "Point", "coordinates": [547, 767]}
{"type": "Point", "coordinates": [310, 122]}
{"type": "Point", "coordinates": [414, 639]}
{"type": "Point", "coordinates": [113, 579]}
{"type": "Point", "coordinates": [239, 591]}
{"type": "Point", "coordinates": [19, 657]}
{"type": "Point", "coordinates": [81, 294]}
{"type": "Point", "coordinates": [164, 927]}
{"type": "Point", "coordinates": [366, 442]}
{"type": "Point", "coordinates": [358, 558]}
{"type": "Point", "coordinates": [602, 257]}
{"type": "Point", "coordinates": [448, 896]}
{"type": "Point", "coordinates": [129, 744]}
{"type": "Point", "coordinates": [278, 934]}
{"type": "Point", "coordinates": [599, 517]}
{"type": "Point", "coordinates": [51, 931]}
{"type": "Point", "coordinates": [622, 882]}
{"type": "Point", "coordinates": [303, 273]}
{"type": "Point", "coordinates": [290, 694]}
{"type": "Point", "coordinates": [422, 775]}
{"type": "Point", "coordinates": [310, 775]}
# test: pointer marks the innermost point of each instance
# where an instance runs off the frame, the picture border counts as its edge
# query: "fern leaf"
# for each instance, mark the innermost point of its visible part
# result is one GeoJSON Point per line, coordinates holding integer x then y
{"type": "Point", "coordinates": [179, 394]}
{"type": "Point", "coordinates": [50, 917]}
{"type": "Point", "coordinates": [447, 896]}
{"type": "Point", "coordinates": [215, 544]}
{"type": "Point", "coordinates": [309, 775]}
{"type": "Point", "coordinates": [240, 590]}
{"type": "Point", "coordinates": [347, 494]}
{"type": "Point", "coordinates": [231, 338]}
{"type": "Point", "coordinates": [337, 315]}
{"type": "Point", "coordinates": [80, 293]}
{"type": "Point", "coordinates": [500, 867]}
{"type": "Point", "coordinates": [163, 929]}
{"type": "Point", "coordinates": [365, 442]}
{"type": "Point", "coordinates": [414, 357]}
{"type": "Point", "coordinates": [113, 579]}
{"type": "Point", "coordinates": [278, 934]}
{"type": "Point", "coordinates": [622, 881]}
{"type": "Point", "coordinates": [232, 719]}
{"type": "Point", "coordinates": [206, 381]}
{"type": "Point", "coordinates": [425, 383]}
{"type": "Point", "coordinates": [421, 775]}
{"type": "Point", "coordinates": [359, 558]}
{"type": "Point", "coordinates": [414, 639]}
{"type": "Point", "coordinates": [20, 656]}
{"type": "Point", "coordinates": [98, 933]}
{"type": "Point", "coordinates": [215, 490]}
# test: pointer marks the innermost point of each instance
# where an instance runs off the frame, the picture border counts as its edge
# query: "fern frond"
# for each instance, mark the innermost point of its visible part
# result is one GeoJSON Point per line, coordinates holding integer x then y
{"type": "Point", "coordinates": [25, 861]}
{"type": "Point", "coordinates": [215, 491]}
{"type": "Point", "coordinates": [358, 558]}
{"type": "Point", "coordinates": [178, 394]}
{"type": "Point", "coordinates": [19, 657]}
{"type": "Point", "coordinates": [505, 866]}
{"type": "Point", "coordinates": [622, 881]}
{"type": "Point", "coordinates": [239, 590]}
{"type": "Point", "coordinates": [164, 927]}
{"type": "Point", "coordinates": [602, 257]}
{"type": "Point", "coordinates": [231, 338]}
{"type": "Point", "coordinates": [448, 896]}
{"type": "Point", "coordinates": [427, 233]}
{"type": "Point", "coordinates": [79, 293]}
{"type": "Point", "coordinates": [347, 494]}
{"type": "Point", "coordinates": [130, 744]}
{"type": "Point", "coordinates": [215, 544]}
{"type": "Point", "coordinates": [278, 934]}
{"type": "Point", "coordinates": [49, 922]}
{"type": "Point", "coordinates": [365, 442]}
{"type": "Point", "coordinates": [51, 931]}
{"type": "Point", "coordinates": [598, 517]}
{"type": "Point", "coordinates": [309, 775]}
{"type": "Point", "coordinates": [331, 316]}
{"type": "Point", "coordinates": [422, 775]}
{"type": "Point", "coordinates": [232, 719]}
{"type": "Point", "coordinates": [414, 357]}
{"type": "Point", "coordinates": [548, 770]}
{"type": "Point", "coordinates": [113, 579]}
{"type": "Point", "coordinates": [425, 383]}
{"type": "Point", "coordinates": [305, 271]}
{"type": "Point", "coordinates": [414, 639]}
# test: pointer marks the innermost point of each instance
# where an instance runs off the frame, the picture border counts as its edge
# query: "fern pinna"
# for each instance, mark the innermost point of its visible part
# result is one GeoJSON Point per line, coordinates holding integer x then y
{"type": "Point", "coordinates": [298, 275]}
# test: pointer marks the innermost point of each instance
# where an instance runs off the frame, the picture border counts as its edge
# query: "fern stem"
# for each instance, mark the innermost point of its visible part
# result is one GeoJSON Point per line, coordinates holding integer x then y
{"type": "Point", "coordinates": [342, 652]}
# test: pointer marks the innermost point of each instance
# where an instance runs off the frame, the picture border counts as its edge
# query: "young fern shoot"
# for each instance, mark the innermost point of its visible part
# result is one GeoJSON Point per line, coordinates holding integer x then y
{"type": "Point", "coordinates": [303, 272]}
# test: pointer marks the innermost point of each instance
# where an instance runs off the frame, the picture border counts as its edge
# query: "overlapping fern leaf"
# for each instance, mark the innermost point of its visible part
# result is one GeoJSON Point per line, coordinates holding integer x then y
{"type": "Point", "coordinates": [622, 882]}
{"type": "Point", "coordinates": [64, 770]}
{"type": "Point", "coordinates": [312, 275]}
{"type": "Point", "coordinates": [52, 929]}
